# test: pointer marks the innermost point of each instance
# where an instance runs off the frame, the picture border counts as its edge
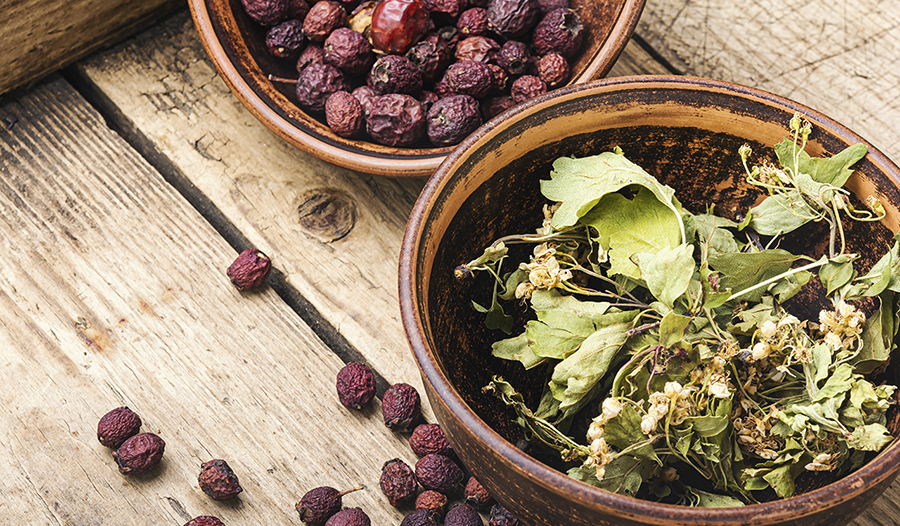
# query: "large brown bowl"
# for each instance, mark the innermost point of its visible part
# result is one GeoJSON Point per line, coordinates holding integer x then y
{"type": "Point", "coordinates": [686, 132]}
{"type": "Point", "coordinates": [236, 46]}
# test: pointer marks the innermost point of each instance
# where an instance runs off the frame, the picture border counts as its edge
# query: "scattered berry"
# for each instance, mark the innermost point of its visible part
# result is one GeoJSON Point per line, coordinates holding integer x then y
{"type": "Point", "coordinates": [501, 516]}
{"type": "Point", "coordinates": [429, 438]}
{"type": "Point", "coordinates": [116, 426]}
{"type": "Point", "coordinates": [139, 454]}
{"type": "Point", "coordinates": [218, 480]}
{"type": "Point", "coordinates": [463, 515]}
{"type": "Point", "coordinates": [401, 406]}
{"type": "Point", "coordinates": [432, 500]}
{"type": "Point", "coordinates": [420, 518]}
{"type": "Point", "coordinates": [438, 473]}
{"type": "Point", "coordinates": [318, 504]}
{"type": "Point", "coordinates": [398, 481]}
{"type": "Point", "coordinates": [349, 517]}
{"type": "Point", "coordinates": [204, 520]}
{"type": "Point", "coordinates": [476, 496]}
{"type": "Point", "coordinates": [355, 383]}
{"type": "Point", "coordinates": [250, 269]}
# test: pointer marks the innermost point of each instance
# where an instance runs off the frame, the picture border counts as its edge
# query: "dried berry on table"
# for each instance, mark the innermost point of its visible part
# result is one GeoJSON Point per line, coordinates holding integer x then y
{"type": "Point", "coordinates": [286, 39]}
{"type": "Point", "coordinates": [116, 426]}
{"type": "Point", "coordinates": [398, 24]}
{"type": "Point", "coordinates": [396, 119]}
{"type": "Point", "coordinates": [439, 473]}
{"type": "Point", "coordinates": [355, 384]}
{"type": "Point", "coordinates": [205, 520]}
{"type": "Point", "coordinates": [324, 17]}
{"type": "Point", "coordinates": [434, 501]}
{"type": "Point", "coordinates": [560, 31]}
{"type": "Point", "coordinates": [139, 454]}
{"type": "Point", "coordinates": [476, 495]}
{"type": "Point", "coordinates": [316, 83]}
{"type": "Point", "coordinates": [266, 12]}
{"type": "Point", "coordinates": [311, 54]}
{"type": "Point", "coordinates": [472, 22]}
{"type": "Point", "coordinates": [514, 57]}
{"type": "Point", "coordinates": [527, 87]}
{"type": "Point", "coordinates": [250, 269]}
{"type": "Point", "coordinates": [512, 18]}
{"type": "Point", "coordinates": [349, 517]}
{"type": "Point", "coordinates": [401, 407]}
{"type": "Point", "coordinates": [463, 515]}
{"type": "Point", "coordinates": [553, 69]}
{"type": "Point", "coordinates": [398, 482]}
{"type": "Point", "coordinates": [421, 517]}
{"type": "Point", "coordinates": [501, 516]}
{"type": "Point", "coordinates": [395, 74]}
{"type": "Point", "coordinates": [218, 480]}
{"type": "Point", "coordinates": [452, 119]}
{"type": "Point", "coordinates": [429, 438]}
{"type": "Point", "coordinates": [470, 77]}
{"type": "Point", "coordinates": [344, 114]}
{"type": "Point", "coordinates": [480, 48]}
{"type": "Point", "coordinates": [318, 504]}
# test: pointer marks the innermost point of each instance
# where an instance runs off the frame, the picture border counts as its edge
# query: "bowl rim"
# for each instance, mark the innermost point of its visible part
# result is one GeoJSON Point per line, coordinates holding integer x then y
{"type": "Point", "coordinates": [413, 162]}
{"type": "Point", "coordinates": [878, 470]}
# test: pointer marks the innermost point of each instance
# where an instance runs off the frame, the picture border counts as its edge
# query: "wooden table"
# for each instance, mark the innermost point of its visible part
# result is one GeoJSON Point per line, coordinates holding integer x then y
{"type": "Point", "coordinates": [130, 181]}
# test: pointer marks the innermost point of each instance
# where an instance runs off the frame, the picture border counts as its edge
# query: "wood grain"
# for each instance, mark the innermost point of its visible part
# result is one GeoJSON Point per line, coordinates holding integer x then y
{"type": "Point", "coordinates": [113, 292]}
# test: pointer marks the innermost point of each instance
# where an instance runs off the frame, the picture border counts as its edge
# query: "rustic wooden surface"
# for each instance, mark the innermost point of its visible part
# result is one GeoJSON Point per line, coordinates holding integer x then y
{"type": "Point", "coordinates": [113, 288]}
{"type": "Point", "coordinates": [39, 36]}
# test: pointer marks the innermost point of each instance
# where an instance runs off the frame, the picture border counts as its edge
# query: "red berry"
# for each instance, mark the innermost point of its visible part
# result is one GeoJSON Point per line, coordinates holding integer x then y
{"type": "Point", "coordinates": [398, 24]}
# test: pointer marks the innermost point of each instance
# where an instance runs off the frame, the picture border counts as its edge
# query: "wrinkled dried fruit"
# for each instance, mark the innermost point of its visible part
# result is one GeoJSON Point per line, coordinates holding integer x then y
{"type": "Point", "coordinates": [499, 79]}
{"type": "Point", "coordinates": [318, 504]}
{"type": "Point", "coordinates": [116, 426]}
{"type": "Point", "coordinates": [349, 517]}
{"type": "Point", "coordinates": [450, 8]}
{"type": "Point", "coordinates": [429, 438]}
{"type": "Point", "coordinates": [480, 48]}
{"type": "Point", "coordinates": [494, 106]}
{"type": "Point", "coordinates": [452, 119]}
{"type": "Point", "coordinates": [324, 17]}
{"type": "Point", "coordinates": [250, 269]}
{"type": "Point", "coordinates": [432, 500]}
{"type": "Point", "coordinates": [442, 88]}
{"type": "Point", "coordinates": [398, 24]}
{"type": "Point", "coordinates": [311, 54]}
{"type": "Point", "coordinates": [395, 74]}
{"type": "Point", "coordinates": [365, 95]}
{"type": "Point", "coordinates": [463, 515]}
{"type": "Point", "coordinates": [396, 119]}
{"type": "Point", "coordinates": [527, 87]}
{"type": "Point", "coordinates": [472, 22]}
{"type": "Point", "coordinates": [476, 496]}
{"type": "Point", "coordinates": [344, 114]}
{"type": "Point", "coordinates": [205, 520]}
{"type": "Point", "coordinates": [431, 57]}
{"type": "Point", "coordinates": [438, 473]}
{"type": "Point", "coordinates": [355, 381]}
{"type": "Point", "coordinates": [218, 480]}
{"type": "Point", "coordinates": [428, 98]}
{"type": "Point", "coordinates": [297, 9]}
{"type": "Point", "coordinates": [316, 83]}
{"type": "Point", "coordinates": [549, 5]}
{"type": "Point", "coordinates": [139, 454]}
{"type": "Point", "coordinates": [348, 51]}
{"type": "Point", "coordinates": [470, 77]}
{"type": "Point", "coordinates": [501, 516]}
{"type": "Point", "coordinates": [401, 405]}
{"type": "Point", "coordinates": [560, 31]}
{"type": "Point", "coordinates": [512, 18]}
{"type": "Point", "coordinates": [398, 481]}
{"type": "Point", "coordinates": [553, 69]}
{"type": "Point", "coordinates": [513, 57]}
{"type": "Point", "coordinates": [286, 39]}
{"type": "Point", "coordinates": [266, 12]}
{"type": "Point", "coordinates": [421, 517]}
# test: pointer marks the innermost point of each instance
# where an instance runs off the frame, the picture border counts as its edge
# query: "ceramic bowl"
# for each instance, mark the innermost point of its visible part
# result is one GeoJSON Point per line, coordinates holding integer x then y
{"type": "Point", "coordinates": [235, 45]}
{"type": "Point", "coordinates": [684, 131]}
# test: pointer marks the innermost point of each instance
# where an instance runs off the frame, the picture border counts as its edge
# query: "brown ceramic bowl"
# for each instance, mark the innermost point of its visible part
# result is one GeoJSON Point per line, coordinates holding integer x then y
{"type": "Point", "coordinates": [686, 132]}
{"type": "Point", "coordinates": [235, 44]}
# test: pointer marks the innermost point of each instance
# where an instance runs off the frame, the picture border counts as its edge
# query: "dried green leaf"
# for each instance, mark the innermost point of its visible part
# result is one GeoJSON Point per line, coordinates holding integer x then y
{"type": "Point", "coordinates": [744, 270]}
{"type": "Point", "coordinates": [871, 437]}
{"type": "Point", "coordinates": [517, 348]}
{"type": "Point", "coordinates": [833, 170]}
{"type": "Point", "coordinates": [667, 272]}
{"type": "Point", "coordinates": [705, 499]}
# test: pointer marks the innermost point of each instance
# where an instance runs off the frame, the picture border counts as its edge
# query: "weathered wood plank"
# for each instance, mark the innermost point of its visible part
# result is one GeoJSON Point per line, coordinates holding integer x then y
{"type": "Point", "coordinates": [39, 36]}
{"type": "Point", "coordinates": [112, 292]}
{"type": "Point", "coordinates": [841, 57]}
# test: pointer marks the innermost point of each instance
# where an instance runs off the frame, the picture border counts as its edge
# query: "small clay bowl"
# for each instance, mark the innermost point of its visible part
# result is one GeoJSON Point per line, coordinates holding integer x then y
{"type": "Point", "coordinates": [684, 131]}
{"type": "Point", "coordinates": [236, 46]}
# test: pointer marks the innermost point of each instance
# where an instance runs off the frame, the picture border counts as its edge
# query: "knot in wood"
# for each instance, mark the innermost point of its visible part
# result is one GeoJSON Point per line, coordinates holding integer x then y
{"type": "Point", "coordinates": [326, 213]}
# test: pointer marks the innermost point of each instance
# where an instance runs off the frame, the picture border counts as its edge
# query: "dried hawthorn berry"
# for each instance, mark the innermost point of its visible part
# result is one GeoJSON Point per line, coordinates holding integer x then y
{"type": "Point", "coordinates": [501, 516]}
{"type": "Point", "coordinates": [395, 74]}
{"type": "Point", "coordinates": [395, 119]}
{"type": "Point", "coordinates": [451, 8]}
{"type": "Point", "coordinates": [512, 18]}
{"type": "Point", "coordinates": [527, 87]}
{"type": "Point", "coordinates": [218, 480]}
{"type": "Point", "coordinates": [553, 69]}
{"type": "Point", "coordinates": [449, 34]}
{"type": "Point", "coordinates": [463, 515]}
{"type": "Point", "coordinates": [398, 482]}
{"type": "Point", "coordinates": [401, 405]}
{"type": "Point", "coordinates": [431, 56]}
{"type": "Point", "coordinates": [432, 500]}
{"type": "Point", "coordinates": [316, 83]}
{"type": "Point", "coordinates": [470, 77]}
{"type": "Point", "coordinates": [499, 79]}
{"type": "Point", "coordinates": [428, 98]}
{"type": "Point", "coordinates": [438, 473]}
{"type": "Point", "coordinates": [494, 106]}
{"type": "Point", "coordinates": [452, 119]}
{"type": "Point", "coordinates": [476, 496]}
{"type": "Point", "coordinates": [472, 22]}
{"type": "Point", "coordinates": [297, 9]}
{"type": "Point", "coordinates": [560, 31]}
{"type": "Point", "coordinates": [365, 95]}
{"type": "Point", "coordinates": [286, 39]}
{"type": "Point", "coordinates": [421, 517]}
{"type": "Point", "coordinates": [250, 269]}
{"type": "Point", "coordinates": [429, 438]}
{"type": "Point", "coordinates": [266, 12]}
{"type": "Point", "coordinates": [205, 520]}
{"type": "Point", "coordinates": [349, 517]}
{"type": "Point", "coordinates": [318, 504]}
{"type": "Point", "coordinates": [324, 17]}
{"type": "Point", "coordinates": [398, 24]}
{"type": "Point", "coordinates": [311, 54]}
{"type": "Point", "coordinates": [355, 381]}
{"type": "Point", "coordinates": [442, 88]}
{"type": "Point", "coordinates": [480, 48]}
{"type": "Point", "coordinates": [116, 426]}
{"type": "Point", "coordinates": [513, 57]}
{"type": "Point", "coordinates": [549, 5]}
{"type": "Point", "coordinates": [139, 454]}
{"type": "Point", "coordinates": [348, 51]}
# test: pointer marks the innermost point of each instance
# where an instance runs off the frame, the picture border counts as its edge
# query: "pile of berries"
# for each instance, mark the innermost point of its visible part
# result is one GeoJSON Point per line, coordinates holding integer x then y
{"type": "Point", "coordinates": [413, 72]}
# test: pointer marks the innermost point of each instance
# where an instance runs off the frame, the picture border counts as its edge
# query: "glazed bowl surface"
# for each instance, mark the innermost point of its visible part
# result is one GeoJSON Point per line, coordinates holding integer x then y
{"type": "Point", "coordinates": [236, 46]}
{"type": "Point", "coordinates": [686, 132]}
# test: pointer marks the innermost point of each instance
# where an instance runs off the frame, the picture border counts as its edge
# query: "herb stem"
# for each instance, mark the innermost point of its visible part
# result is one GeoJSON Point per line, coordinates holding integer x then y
{"type": "Point", "coordinates": [814, 264]}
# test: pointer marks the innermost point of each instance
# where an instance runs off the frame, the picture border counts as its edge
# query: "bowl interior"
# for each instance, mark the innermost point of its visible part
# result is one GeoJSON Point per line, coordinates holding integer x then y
{"type": "Point", "coordinates": [236, 45]}
{"type": "Point", "coordinates": [686, 132]}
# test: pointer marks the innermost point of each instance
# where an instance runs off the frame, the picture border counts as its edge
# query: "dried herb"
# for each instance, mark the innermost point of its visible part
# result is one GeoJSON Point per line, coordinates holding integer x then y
{"type": "Point", "coordinates": [672, 325]}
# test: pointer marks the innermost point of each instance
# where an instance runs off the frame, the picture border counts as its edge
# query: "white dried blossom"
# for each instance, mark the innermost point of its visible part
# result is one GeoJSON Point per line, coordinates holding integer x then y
{"type": "Point", "coordinates": [768, 329]}
{"type": "Point", "coordinates": [600, 456]}
{"type": "Point", "coordinates": [760, 351]}
{"type": "Point", "coordinates": [823, 462]}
